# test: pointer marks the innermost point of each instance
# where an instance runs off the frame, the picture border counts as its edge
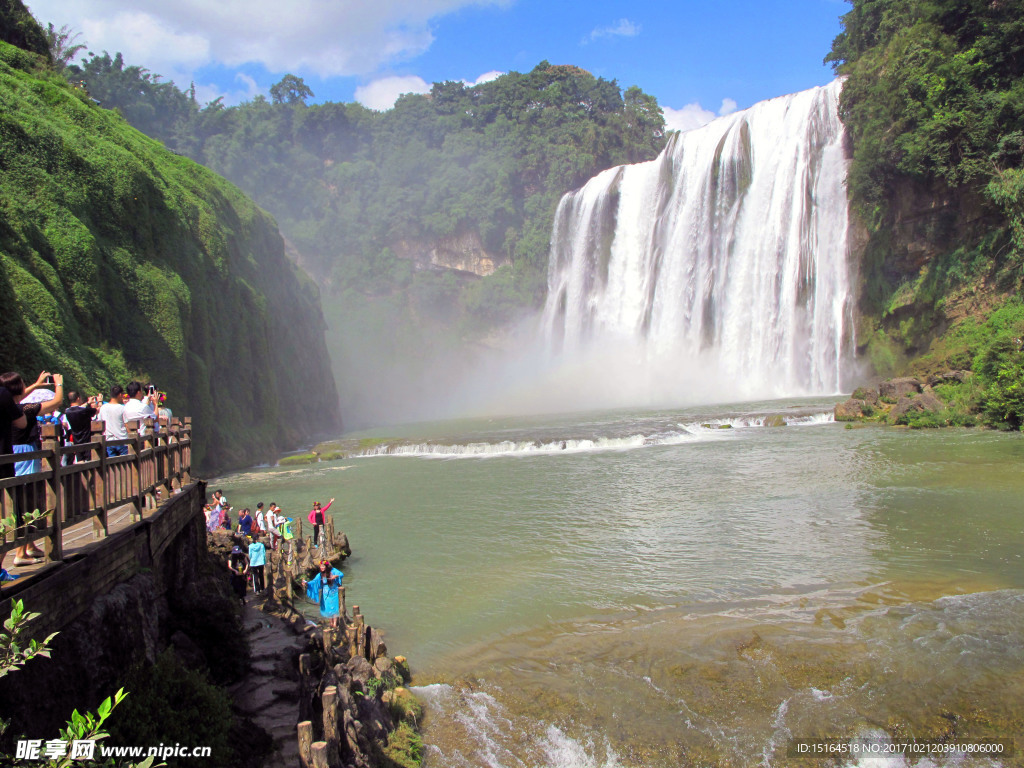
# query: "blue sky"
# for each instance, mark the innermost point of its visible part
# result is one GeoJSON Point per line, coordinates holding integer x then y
{"type": "Point", "coordinates": [697, 58]}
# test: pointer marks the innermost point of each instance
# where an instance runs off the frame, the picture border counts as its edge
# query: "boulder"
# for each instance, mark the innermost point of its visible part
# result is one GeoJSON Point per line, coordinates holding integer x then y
{"type": "Point", "coordinates": [897, 388]}
{"type": "Point", "coordinates": [868, 394]}
{"type": "Point", "coordinates": [926, 401]}
{"type": "Point", "coordinates": [948, 377]}
{"type": "Point", "coordinates": [775, 420]}
{"type": "Point", "coordinates": [360, 669]}
{"type": "Point", "coordinates": [851, 410]}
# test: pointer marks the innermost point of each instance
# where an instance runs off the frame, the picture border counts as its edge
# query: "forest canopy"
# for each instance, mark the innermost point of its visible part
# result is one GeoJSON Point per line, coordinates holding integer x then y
{"type": "Point", "coordinates": [346, 183]}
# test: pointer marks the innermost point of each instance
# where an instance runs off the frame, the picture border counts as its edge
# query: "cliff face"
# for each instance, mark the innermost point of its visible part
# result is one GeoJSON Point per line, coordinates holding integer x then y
{"type": "Point", "coordinates": [463, 252]}
{"type": "Point", "coordinates": [120, 260]}
{"type": "Point", "coordinates": [937, 261]}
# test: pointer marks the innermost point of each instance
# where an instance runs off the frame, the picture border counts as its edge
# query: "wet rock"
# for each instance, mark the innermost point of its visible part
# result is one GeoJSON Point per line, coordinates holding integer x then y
{"type": "Point", "coordinates": [360, 670]}
{"type": "Point", "coordinates": [897, 388]}
{"type": "Point", "coordinates": [775, 420]}
{"type": "Point", "coordinates": [851, 410]}
{"type": "Point", "coordinates": [383, 665]}
{"type": "Point", "coordinates": [341, 544]}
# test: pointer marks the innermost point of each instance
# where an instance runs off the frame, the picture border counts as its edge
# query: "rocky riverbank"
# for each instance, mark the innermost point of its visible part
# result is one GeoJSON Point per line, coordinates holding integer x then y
{"type": "Point", "coordinates": [940, 400]}
{"type": "Point", "coordinates": [328, 698]}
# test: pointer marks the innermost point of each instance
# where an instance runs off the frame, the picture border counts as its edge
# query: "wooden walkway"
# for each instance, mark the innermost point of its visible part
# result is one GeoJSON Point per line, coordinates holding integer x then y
{"type": "Point", "coordinates": [78, 541]}
{"type": "Point", "coordinates": [83, 503]}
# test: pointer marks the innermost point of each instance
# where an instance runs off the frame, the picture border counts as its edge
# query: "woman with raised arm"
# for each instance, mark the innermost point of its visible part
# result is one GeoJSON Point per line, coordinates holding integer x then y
{"type": "Point", "coordinates": [316, 517]}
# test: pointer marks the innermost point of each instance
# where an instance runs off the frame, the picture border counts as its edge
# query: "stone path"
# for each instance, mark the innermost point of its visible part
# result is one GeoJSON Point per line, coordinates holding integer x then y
{"type": "Point", "coordinates": [270, 692]}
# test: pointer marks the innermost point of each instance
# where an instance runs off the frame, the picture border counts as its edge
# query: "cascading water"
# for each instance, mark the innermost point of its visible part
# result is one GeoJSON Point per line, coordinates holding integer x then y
{"type": "Point", "coordinates": [723, 261]}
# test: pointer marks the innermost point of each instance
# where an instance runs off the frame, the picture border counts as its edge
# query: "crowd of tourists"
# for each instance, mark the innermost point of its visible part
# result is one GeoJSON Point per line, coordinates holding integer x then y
{"type": "Point", "coordinates": [25, 408]}
{"type": "Point", "coordinates": [254, 533]}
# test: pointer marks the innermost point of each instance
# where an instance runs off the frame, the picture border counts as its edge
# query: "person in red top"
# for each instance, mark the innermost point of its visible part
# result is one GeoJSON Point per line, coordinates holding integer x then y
{"type": "Point", "coordinates": [316, 517]}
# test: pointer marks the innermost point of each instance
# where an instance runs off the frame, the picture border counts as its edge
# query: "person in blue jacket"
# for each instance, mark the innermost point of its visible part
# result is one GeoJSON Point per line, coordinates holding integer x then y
{"type": "Point", "coordinates": [324, 590]}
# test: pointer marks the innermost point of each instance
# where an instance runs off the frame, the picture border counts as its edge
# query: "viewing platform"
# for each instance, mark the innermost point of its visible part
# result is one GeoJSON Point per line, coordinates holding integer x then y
{"type": "Point", "coordinates": [83, 503]}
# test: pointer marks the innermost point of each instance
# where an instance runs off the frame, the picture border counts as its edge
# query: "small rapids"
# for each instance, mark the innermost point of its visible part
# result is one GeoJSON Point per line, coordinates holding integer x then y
{"type": "Point", "coordinates": [684, 432]}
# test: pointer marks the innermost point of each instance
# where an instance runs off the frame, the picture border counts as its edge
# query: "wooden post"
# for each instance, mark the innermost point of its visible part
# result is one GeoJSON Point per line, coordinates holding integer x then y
{"type": "Point", "coordinates": [331, 736]}
{"type": "Point", "coordinates": [360, 623]}
{"type": "Point", "coordinates": [186, 466]}
{"type": "Point", "coordinates": [54, 494]}
{"type": "Point", "coordinates": [287, 562]}
{"type": "Point", "coordinates": [149, 470]}
{"type": "Point", "coordinates": [341, 603]}
{"type": "Point", "coordinates": [99, 453]}
{"type": "Point", "coordinates": [305, 678]}
{"type": "Point", "coordinates": [135, 471]}
{"type": "Point", "coordinates": [318, 753]}
{"type": "Point", "coordinates": [350, 634]}
{"type": "Point", "coordinates": [305, 729]}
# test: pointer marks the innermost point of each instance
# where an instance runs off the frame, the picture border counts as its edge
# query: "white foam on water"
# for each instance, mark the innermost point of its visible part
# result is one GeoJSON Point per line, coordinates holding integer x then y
{"type": "Point", "coordinates": [689, 432]}
{"type": "Point", "coordinates": [494, 738]}
{"type": "Point", "coordinates": [564, 752]}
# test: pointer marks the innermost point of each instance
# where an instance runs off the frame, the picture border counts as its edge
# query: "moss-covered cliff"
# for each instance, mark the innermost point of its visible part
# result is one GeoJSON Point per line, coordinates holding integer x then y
{"type": "Point", "coordinates": [119, 260]}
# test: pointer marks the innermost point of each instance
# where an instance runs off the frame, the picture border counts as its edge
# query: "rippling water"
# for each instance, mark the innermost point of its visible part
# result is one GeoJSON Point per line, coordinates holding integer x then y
{"type": "Point", "coordinates": [652, 589]}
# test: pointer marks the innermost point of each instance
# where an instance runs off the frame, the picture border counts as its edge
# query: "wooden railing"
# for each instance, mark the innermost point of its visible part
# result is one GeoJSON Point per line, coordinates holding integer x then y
{"type": "Point", "coordinates": [157, 464]}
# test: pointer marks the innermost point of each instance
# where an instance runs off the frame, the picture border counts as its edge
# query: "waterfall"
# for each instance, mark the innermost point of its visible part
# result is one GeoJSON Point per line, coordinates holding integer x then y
{"type": "Point", "coordinates": [724, 259]}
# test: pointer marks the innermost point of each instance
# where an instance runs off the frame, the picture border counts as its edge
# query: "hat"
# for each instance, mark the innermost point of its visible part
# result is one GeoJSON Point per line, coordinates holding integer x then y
{"type": "Point", "coordinates": [236, 550]}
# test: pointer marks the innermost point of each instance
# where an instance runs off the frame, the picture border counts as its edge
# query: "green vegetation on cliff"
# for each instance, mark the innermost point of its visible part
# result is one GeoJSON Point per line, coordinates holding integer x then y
{"type": "Point", "coordinates": [934, 103]}
{"type": "Point", "coordinates": [350, 185]}
{"type": "Point", "coordinates": [119, 260]}
{"type": "Point", "coordinates": [475, 172]}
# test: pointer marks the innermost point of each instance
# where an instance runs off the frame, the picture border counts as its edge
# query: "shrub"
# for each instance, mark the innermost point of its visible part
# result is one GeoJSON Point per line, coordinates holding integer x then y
{"type": "Point", "coordinates": [171, 704]}
{"type": "Point", "coordinates": [404, 748]}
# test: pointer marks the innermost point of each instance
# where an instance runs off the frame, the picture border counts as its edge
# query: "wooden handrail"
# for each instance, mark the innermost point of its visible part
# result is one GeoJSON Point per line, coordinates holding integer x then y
{"type": "Point", "coordinates": [157, 465]}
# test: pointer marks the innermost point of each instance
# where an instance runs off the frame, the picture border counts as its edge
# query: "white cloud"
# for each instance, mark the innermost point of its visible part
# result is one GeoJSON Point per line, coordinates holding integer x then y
{"type": "Point", "coordinates": [325, 37]}
{"type": "Point", "coordinates": [689, 117]}
{"type": "Point", "coordinates": [383, 93]}
{"type": "Point", "coordinates": [486, 77]}
{"type": "Point", "coordinates": [622, 28]}
{"type": "Point", "coordinates": [694, 115]}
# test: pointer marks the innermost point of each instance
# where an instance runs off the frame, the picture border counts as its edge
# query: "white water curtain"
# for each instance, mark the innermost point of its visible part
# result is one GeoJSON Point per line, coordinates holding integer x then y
{"type": "Point", "coordinates": [724, 259]}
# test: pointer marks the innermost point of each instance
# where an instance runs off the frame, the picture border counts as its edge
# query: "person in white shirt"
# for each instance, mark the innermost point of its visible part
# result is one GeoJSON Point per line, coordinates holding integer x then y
{"type": "Point", "coordinates": [139, 406]}
{"type": "Point", "coordinates": [273, 520]}
{"type": "Point", "coordinates": [260, 519]}
{"type": "Point", "coordinates": [112, 416]}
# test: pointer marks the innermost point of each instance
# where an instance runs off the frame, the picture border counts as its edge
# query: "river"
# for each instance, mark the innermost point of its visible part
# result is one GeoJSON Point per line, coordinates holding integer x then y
{"type": "Point", "coordinates": [684, 587]}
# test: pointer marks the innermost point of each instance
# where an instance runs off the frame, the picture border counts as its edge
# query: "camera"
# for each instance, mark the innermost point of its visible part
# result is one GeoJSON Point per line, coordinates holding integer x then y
{"type": "Point", "coordinates": [151, 390]}
{"type": "Point", "coordinates": [49, 380]}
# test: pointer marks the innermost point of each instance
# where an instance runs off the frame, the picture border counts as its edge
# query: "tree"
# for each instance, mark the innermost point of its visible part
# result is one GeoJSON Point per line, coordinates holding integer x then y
{"type": "Point", "coordinates": [290, 90]}
{"type": "Point", "coordinates": [87, 727]}
{"type": "Point", "coordinates": [64, 45]}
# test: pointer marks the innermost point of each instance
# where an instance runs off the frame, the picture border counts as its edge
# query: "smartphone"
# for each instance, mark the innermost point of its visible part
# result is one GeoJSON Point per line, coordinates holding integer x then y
{"type": "Point", "coordinates": [152, 389]}
{"type": "Point", "coordinates": [49, 380]}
